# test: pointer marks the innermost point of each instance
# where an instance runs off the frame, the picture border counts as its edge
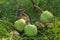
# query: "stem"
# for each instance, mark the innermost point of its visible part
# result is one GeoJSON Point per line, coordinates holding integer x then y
{"type": "Point", "coordinates": [36, 7]}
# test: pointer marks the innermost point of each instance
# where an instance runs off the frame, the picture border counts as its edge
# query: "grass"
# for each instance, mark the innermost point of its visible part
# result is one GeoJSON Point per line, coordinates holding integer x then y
{"type": "Point", "coordinates": [8, 15]}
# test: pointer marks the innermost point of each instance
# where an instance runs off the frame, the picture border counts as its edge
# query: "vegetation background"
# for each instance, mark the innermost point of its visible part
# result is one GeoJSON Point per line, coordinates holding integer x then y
{"type": "Point", "coordinates": [8, 15]}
